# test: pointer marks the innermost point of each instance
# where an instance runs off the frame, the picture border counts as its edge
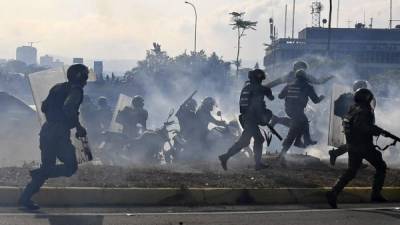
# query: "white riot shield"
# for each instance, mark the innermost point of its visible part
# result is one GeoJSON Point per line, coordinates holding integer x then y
{"type": "Point", "coordinates": [336, 135]}
{"type": "Point", "coordinates": [123, 101]}
{"type": "Point", "coordinates": [41, 83]}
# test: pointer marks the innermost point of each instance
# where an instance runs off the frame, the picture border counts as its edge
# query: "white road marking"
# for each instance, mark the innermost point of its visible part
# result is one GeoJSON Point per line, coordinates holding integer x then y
{"type": "Point", "coordinates": [44, 214]}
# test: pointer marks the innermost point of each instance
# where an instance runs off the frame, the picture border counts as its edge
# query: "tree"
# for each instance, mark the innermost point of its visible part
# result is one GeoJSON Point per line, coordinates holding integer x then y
{"type": "Point", "coordinates": [241, 26]}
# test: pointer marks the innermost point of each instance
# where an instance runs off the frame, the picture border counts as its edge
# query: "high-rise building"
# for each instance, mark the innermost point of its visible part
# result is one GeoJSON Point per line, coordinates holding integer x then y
{"type": "Point", "coordinates": [46, 61]}
{"type": "Point", "coordinates": [27, 54]}
{"type": "Point", "coordinates": [77, 61]}
{"type": "Point", "coordinates": [98, 69]}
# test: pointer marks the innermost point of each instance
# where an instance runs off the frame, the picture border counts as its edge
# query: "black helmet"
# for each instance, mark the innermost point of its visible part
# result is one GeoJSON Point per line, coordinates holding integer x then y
{"type": "Point", "coordinates": [256, 75]}
{"type": "Point", "coordinates": [78, 73]}
{"type": "Point", "coordinates": [360, 84]}
{"type": "Point", "coordinates": [300, 65]}
{"type": "Point", "coordinates": [102, 101]}
{"type": "Point", "coordinates": [209, 101]}
{"type": "Point", "coordinates": [191, 104]}
{"type": "Point", "coordinates": [363, 96]}
{"type": "Point", "coordinates": [138, 101]}
{"type": "Point", "coordinates": [301, 75]}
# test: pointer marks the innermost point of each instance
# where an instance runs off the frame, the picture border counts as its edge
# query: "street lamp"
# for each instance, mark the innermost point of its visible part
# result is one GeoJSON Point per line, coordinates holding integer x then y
{"type": "Point", "coordinates": [195, 25]}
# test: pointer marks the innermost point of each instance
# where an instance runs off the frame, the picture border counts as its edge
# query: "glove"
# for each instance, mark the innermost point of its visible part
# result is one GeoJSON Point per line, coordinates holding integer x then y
{"type": "Point", "coordinates": [80, 132]}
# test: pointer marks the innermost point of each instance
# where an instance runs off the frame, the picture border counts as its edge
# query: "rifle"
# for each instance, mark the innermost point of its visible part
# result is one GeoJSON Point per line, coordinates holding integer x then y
{"type": "Point", "coordinates": [274, 132]}
{"type": "Point", "coordinates": [86, 148]}
{"type": "Point", "coordinates": [190, 97]}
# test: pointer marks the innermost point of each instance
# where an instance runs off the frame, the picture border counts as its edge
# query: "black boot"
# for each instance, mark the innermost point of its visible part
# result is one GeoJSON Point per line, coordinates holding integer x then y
{"type": "Point", "coordinates": [378, 198]}
{"type": "Point", "coordinates": [261, 166]}
{"type": "Point", "coordinates": [28, 204]}
{"type": "Point", "coordinates": [223, 160]}
{"type": "Point", "coordinates": [332, 199]}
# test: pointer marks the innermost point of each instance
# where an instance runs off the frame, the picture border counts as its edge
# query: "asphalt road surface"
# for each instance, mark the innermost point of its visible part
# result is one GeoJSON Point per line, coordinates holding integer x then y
{"type": "Point", "coordinates": [387, 214]}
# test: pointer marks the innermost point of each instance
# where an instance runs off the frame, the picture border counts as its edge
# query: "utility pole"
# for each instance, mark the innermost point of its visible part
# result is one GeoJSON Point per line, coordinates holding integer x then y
{"type": "Point", "coordinates": [391, 15]}
{"type": "Point", "coordinates": [294, 11]}
{"type": "Point", "coordinates": [337, 14]}
{"type": "Point", "coordinates": [195, 25]}
{"type": "Point", "coordinates": [329, 27]}
{"type": "Point", "coordinates": [285, 20]}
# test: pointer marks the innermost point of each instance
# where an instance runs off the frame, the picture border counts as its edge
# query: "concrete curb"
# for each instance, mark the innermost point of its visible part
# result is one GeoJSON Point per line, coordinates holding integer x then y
{"type": "Point", "coordinates": [87, 196]}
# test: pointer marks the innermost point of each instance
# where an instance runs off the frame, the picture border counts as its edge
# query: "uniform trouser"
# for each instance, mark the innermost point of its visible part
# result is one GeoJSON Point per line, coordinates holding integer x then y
{"type": "Point", "coordinates": [374, 157]}
{"type": "Point", "coordinates": [54, 144]}
{"type": "Point", "coordinates": [339, 151]}
{"type": "Point", "coordinates": [285, 121]}
{"type": "Point", "coordinates": [297, 126]}
{"type": "Point", "coordinates": [250, 130]}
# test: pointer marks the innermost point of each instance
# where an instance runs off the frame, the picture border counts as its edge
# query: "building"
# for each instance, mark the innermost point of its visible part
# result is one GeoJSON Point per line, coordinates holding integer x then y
{"type": "Point", "coordinates": [77, 61]}
{"type": "Point", "coordinates": [48, 61]}
{"type": "Point", "coordinates": [98, 70]}
{"type": "Point", "coordinates": [27, 54]}
{"type": "Point", "coordinates": [370, 50]}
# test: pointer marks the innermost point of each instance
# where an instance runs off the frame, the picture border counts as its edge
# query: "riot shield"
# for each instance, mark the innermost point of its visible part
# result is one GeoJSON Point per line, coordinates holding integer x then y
{"type": "Point", "coordinates": [41, 83]}
{"type": "Point", "coordinates": [336, 136]}
{"type": "Point", "coordinates": [123, 101]}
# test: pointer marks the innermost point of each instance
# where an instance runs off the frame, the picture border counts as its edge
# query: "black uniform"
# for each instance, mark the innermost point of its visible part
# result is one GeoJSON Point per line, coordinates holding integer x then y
{"type": "Point", "coordinates": [253, 113]}
{"type": "Point", "coordinates": [61, 109]}
{"type": "Point", "coordinates": [296, 97]}
{"type": "Point", "coordinates": [288, 79]}
{"type": "Point", "coordinates": [187, 122]}
{"type": "Point", "coordinates": [204, 118]}
{"type": "Point", "coordinates": [359, 126]}
{"type": "Point", "coordinates": [131, 117]}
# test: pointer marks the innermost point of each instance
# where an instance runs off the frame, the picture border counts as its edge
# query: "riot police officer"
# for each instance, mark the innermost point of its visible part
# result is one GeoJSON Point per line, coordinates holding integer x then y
{"type": "Point", "coordinates": [131, 117]}
{"type": "Point", "coordinates": [187, 118]}
{"type": "Point", "coordinates": [359, 127]}
{"type": "Point", "coordinates": [296, 97]}
{"type": "Point", "coordinates": [204, 118]}
{"type": "Point", "coordinates": [61, 109]}
{"type": "Point", "coordinates": [103, 113]}
{"type": "Point", "coordinates": [342, 107]}
{"type": "Point", "coordinates": [290, 78]}
{"type": "Point", "coordinates": [253, 113]}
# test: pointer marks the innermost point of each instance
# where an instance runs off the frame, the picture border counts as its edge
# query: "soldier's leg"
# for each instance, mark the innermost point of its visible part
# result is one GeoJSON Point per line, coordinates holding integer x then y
{"type": "Point", "coordinates": [285, 121]}
{"type": "Point", "coordinates": [374, 157]}
{"type": "Point", "coordinates": [66, 154]}
{"type": "Point", "coordinates": [353, 166]}
{"type": "Point", "coordinates": [334, 153]}
{"type": "Point", "coordinates": [243, 142]}
{"type": "Point", "coordinates": [40, 175]}
{"type": "Point", "coordinates": [306, 131]}
{"type": "Point", "coordinates": [294, 132]}
{"type": "Point", "coordinates": [258, 146]}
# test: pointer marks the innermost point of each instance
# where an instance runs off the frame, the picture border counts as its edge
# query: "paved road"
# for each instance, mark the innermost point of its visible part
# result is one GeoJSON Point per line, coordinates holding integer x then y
{"type": "Point", "coordinates": [387, 214]}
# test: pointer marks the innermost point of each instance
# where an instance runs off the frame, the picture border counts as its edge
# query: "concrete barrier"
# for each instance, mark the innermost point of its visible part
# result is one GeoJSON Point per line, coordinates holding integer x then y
{"type": "Point", "coordinates": [88, 196]}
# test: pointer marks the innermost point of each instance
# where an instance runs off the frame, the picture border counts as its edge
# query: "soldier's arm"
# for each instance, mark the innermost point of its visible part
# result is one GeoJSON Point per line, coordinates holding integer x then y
{"type": "Point", "coordinates": [215, 121]}
{"type": "Point", "coordinates": [71, 106]}
{"type": "Point", "coordinates": [313, 95]}
{"type": "Point", "coordinates": [143, 121]}
{"type": "Point", "coordinates": [314, 80]}
{"type": "Point", "coordinates": [363, 122]}
{"type": "Point", "coordinates": [283, 93]}
{"type": "Point", "coordinates": [268, 93]}
{"type": "Point", "coordinates": [279, 81]}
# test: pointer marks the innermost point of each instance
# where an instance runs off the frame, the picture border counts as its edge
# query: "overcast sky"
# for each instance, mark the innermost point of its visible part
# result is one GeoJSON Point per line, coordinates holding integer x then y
{"type": "Point", "coordinates": [124, 29]}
